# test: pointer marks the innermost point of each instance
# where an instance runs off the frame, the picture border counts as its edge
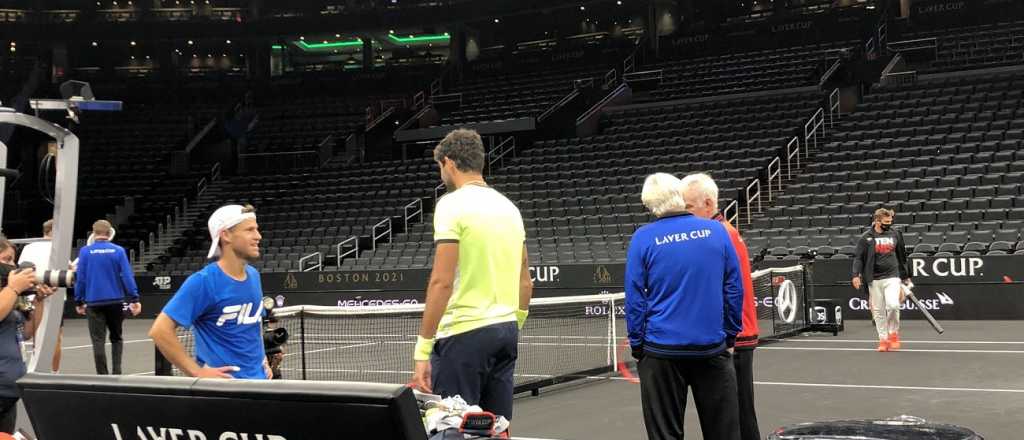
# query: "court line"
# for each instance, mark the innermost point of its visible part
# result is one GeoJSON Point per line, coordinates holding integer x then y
{"type": "Point", "coordinates": [873, 341]}
{"type": "Point", "coordinates": [79, 347]}
{"type": "Point", "coordinates": [909, 350]}
{"type": "Point", "coordinates": [891, 387]}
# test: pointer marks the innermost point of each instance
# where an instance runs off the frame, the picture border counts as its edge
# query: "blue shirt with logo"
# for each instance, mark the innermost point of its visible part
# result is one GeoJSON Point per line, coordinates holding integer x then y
{"type": "Point", "coordinates": [225, 315]}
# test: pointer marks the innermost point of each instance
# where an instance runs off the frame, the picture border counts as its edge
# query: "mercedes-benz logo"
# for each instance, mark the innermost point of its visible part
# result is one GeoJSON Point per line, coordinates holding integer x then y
{"type": "Point", "coordinates": [786, 302]}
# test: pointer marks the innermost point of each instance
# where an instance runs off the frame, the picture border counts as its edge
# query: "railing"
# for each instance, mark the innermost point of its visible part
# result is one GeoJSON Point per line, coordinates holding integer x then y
{"type": "Point", "coordinates": [834, 110]}
{"type": "Point", "coordinates": [384, 226]}
{"type": "Point", "coordinates": [610, 78]}
{"type": "Point", "coordinates": [354, 252]}
{"type": "Point", "coordinates": [753, 192]}
{"type": "Point", "coordinates": [419, 100]}
{"type": "Point", "coordinates": [629, 64]}
{"type": "Point", "coordinates": [813, 129]}
{"type": "Point", "coordinates": [882, 34]}
{"type": "Point", "coordinates": [871, 48]}
{"type": "Point", "coordinates": [435, 87]}
{"type": "Point", "coordinates": [215, 172]}
{"type": "Point", "coordinates": [734, 208]}
{"type": "Point", "coordinates": [892, 65]}
{"type": "Point", "coordinates": [380, 118]}
{"type": "Point", "coordinates": [647, 75]}
{"type": "Point", "coordinates": [315, 256]}
{"type": "Point", "coordinates": [792, 156]}
{"type": "Point", "coordinates": [914, 45]}
{"type": "Point", "coordinates": [582, 82]}
{"type": "Point", "coordinates": [498, 153]}
{"type": "Point", "coordinates": [199, 137]}
{"type": "Point", "coordinates": [774, 175]}
{"type": "Point", "coordinates": [828, 73]}
{"type": "Point", "coordinates": [561, 103]}
{"type": "Point", "coordinates": [600, 104]}
{"type": "Point", "coordinates": [900, 78]}
{"type": "Point", "coordinates": [439, 190]}
{"type": "Point", "coordinates": [411, 211]}
{"type": "Point", "coordinates": [450, 98]}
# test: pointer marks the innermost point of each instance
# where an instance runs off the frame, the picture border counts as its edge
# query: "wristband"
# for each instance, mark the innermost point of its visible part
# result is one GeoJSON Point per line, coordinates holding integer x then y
{"type": "Point", "coordinates": [521, 317]}
{"type": "Point", "coordinates": [423, 349]}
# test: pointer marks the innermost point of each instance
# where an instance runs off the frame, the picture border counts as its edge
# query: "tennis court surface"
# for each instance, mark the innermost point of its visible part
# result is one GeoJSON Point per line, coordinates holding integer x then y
{"type": "Point", "coordinates": [969, 376]}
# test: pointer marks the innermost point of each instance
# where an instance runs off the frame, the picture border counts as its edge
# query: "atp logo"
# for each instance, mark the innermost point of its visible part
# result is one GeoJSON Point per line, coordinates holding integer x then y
{"type": "Point", "coordinates": [162, 283]}
{"type": "Point", "coordinates": [240, 313]}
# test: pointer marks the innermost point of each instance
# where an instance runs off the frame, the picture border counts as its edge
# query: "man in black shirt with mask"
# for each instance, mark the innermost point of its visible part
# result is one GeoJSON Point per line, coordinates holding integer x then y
{"type": "Point", "coordinates": [880, 265]}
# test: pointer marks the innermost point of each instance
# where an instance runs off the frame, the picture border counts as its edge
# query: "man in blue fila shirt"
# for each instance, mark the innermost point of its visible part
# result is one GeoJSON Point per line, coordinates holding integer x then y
{"type": "Point", "coordinates": [222, 303]}
{"type": "Point", "coordinates": [684, 305]}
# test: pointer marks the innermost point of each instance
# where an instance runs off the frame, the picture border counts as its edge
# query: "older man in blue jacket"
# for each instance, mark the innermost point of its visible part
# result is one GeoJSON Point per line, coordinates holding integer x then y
{"type": "Point", "coordinates": [104, 282]}
{"type": "Point", "coordinates": [684, 303]}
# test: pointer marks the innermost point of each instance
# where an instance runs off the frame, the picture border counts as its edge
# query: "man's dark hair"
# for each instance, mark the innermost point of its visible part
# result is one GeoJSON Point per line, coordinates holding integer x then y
{"type": "Point", "coordinates": [465, 148]}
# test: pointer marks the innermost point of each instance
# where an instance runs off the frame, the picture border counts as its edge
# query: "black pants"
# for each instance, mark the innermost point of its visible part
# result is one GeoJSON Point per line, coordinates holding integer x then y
{"type": "Point", "coordinates": [478, 365]}
{"type": "Point", "coordinates": [8, 414]}
{"type": "Point", "coordinates": [744, 363]}
{"type": "Point", "coordinates": [663, 388]}
{"type": "Point", "coordinates": [101, 319]}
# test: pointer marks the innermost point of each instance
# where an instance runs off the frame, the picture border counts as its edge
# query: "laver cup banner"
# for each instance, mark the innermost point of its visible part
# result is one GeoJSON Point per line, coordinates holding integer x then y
{"type": "Point", "coordinates": [989, 287]}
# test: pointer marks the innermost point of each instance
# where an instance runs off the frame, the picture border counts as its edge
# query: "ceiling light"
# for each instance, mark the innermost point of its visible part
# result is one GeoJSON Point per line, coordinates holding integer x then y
{"type": "Point", "coordinates": [190, 42]}
{"type": "Point", "coordinates": [391, 31]}
{"type": "Point", "coordinates": [94, 44]}
{"type": "Point", "coordinates": [147, 57]}
{"type": "Point", "coordinates": [619, 2]}
{"type": "Point", "coordinates": [133, 43]}
{"type": "Point", "coordinates": [133, 57]}
{"type": "Point", "coordinates": [497, 20]}
{"type": "Point", "coordinates": [228, 41]}
{"type": "Point", "coordinates": [583, 8]}
{"type": "Point", "coordinates": [337, 35]}
{"type": "Point", "coordinates": [303, 38]}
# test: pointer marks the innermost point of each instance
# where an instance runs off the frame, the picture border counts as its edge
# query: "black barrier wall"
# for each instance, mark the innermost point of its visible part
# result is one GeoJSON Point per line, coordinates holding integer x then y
{"type": "Point", "coordinates": [989, 287]}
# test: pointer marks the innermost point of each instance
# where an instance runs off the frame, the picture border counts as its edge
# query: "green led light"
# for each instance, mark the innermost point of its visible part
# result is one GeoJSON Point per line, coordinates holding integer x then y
{"type": "Point", "coordinates": [352, 66]}
{"type": "Point", "coordinates": [418, 38]}
{"type": "Point", "coordinates": [277, 47]}
{"type": "Point", "coordinates": [316, 46]}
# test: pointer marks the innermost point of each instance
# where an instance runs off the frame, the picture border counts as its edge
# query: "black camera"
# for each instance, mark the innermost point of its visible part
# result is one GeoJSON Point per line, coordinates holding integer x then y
{"type": "Point", "coordinates": [274, 338]}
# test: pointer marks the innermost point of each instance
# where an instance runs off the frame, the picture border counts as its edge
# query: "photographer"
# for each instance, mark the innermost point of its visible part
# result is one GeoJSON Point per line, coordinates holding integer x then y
{"type": "Point", "coordinates": [16, 324]}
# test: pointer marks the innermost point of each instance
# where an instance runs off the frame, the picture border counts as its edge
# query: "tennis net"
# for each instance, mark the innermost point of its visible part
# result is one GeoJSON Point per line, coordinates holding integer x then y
{"type": "Point", "coordinates": [782, 299]}
{"type": "Point", "coordinates": [565, 338]}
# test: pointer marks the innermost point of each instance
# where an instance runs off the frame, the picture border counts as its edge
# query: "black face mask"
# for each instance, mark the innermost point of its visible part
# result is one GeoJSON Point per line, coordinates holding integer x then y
{"type": "Point", "coordinates": [885, 227]}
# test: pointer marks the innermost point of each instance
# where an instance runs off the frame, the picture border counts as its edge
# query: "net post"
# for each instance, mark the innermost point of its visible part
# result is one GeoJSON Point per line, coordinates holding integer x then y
{"type": "Point", "coordinates": [302, 342]}
{"type": "Point", "coordinates": [162, 366]}
{"type": "Point", "coordinates": [612, 335]}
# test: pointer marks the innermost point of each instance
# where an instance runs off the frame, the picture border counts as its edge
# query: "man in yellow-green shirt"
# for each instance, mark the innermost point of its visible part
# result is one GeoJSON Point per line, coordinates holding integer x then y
{"type": "Point", "coordinates": [479, 288]}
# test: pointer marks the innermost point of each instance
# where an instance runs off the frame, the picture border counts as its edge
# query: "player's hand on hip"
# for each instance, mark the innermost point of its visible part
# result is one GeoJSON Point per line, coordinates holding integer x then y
{"type": "Point", "coordinates": [421, 377]}
{"type": "Point", "coordinates": [856, 283]}
{"type": "Point", "coordinates": [217, 373]}
{"type": "Point", "coordinates": [80, 309]}
{"type": "Point", "coordinates": [135, 308]}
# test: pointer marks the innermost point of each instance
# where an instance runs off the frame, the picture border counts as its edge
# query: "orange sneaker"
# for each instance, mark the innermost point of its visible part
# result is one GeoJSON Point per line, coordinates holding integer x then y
{"type": "Point", "coordinates": [883, 345]}
{"type": "Point", "coordinates": [894, 341]}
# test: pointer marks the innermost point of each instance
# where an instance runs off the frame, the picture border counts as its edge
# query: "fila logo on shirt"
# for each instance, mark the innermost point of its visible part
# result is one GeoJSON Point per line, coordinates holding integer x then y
{"type": "Point", "coordinates": [241, 314]}
{"type": "Point", "coordinates": [884, 245]}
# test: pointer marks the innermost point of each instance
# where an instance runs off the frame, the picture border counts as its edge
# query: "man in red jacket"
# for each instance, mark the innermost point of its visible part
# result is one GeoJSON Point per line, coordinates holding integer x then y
{"type": "Point", "coordinates": [701, 195]}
